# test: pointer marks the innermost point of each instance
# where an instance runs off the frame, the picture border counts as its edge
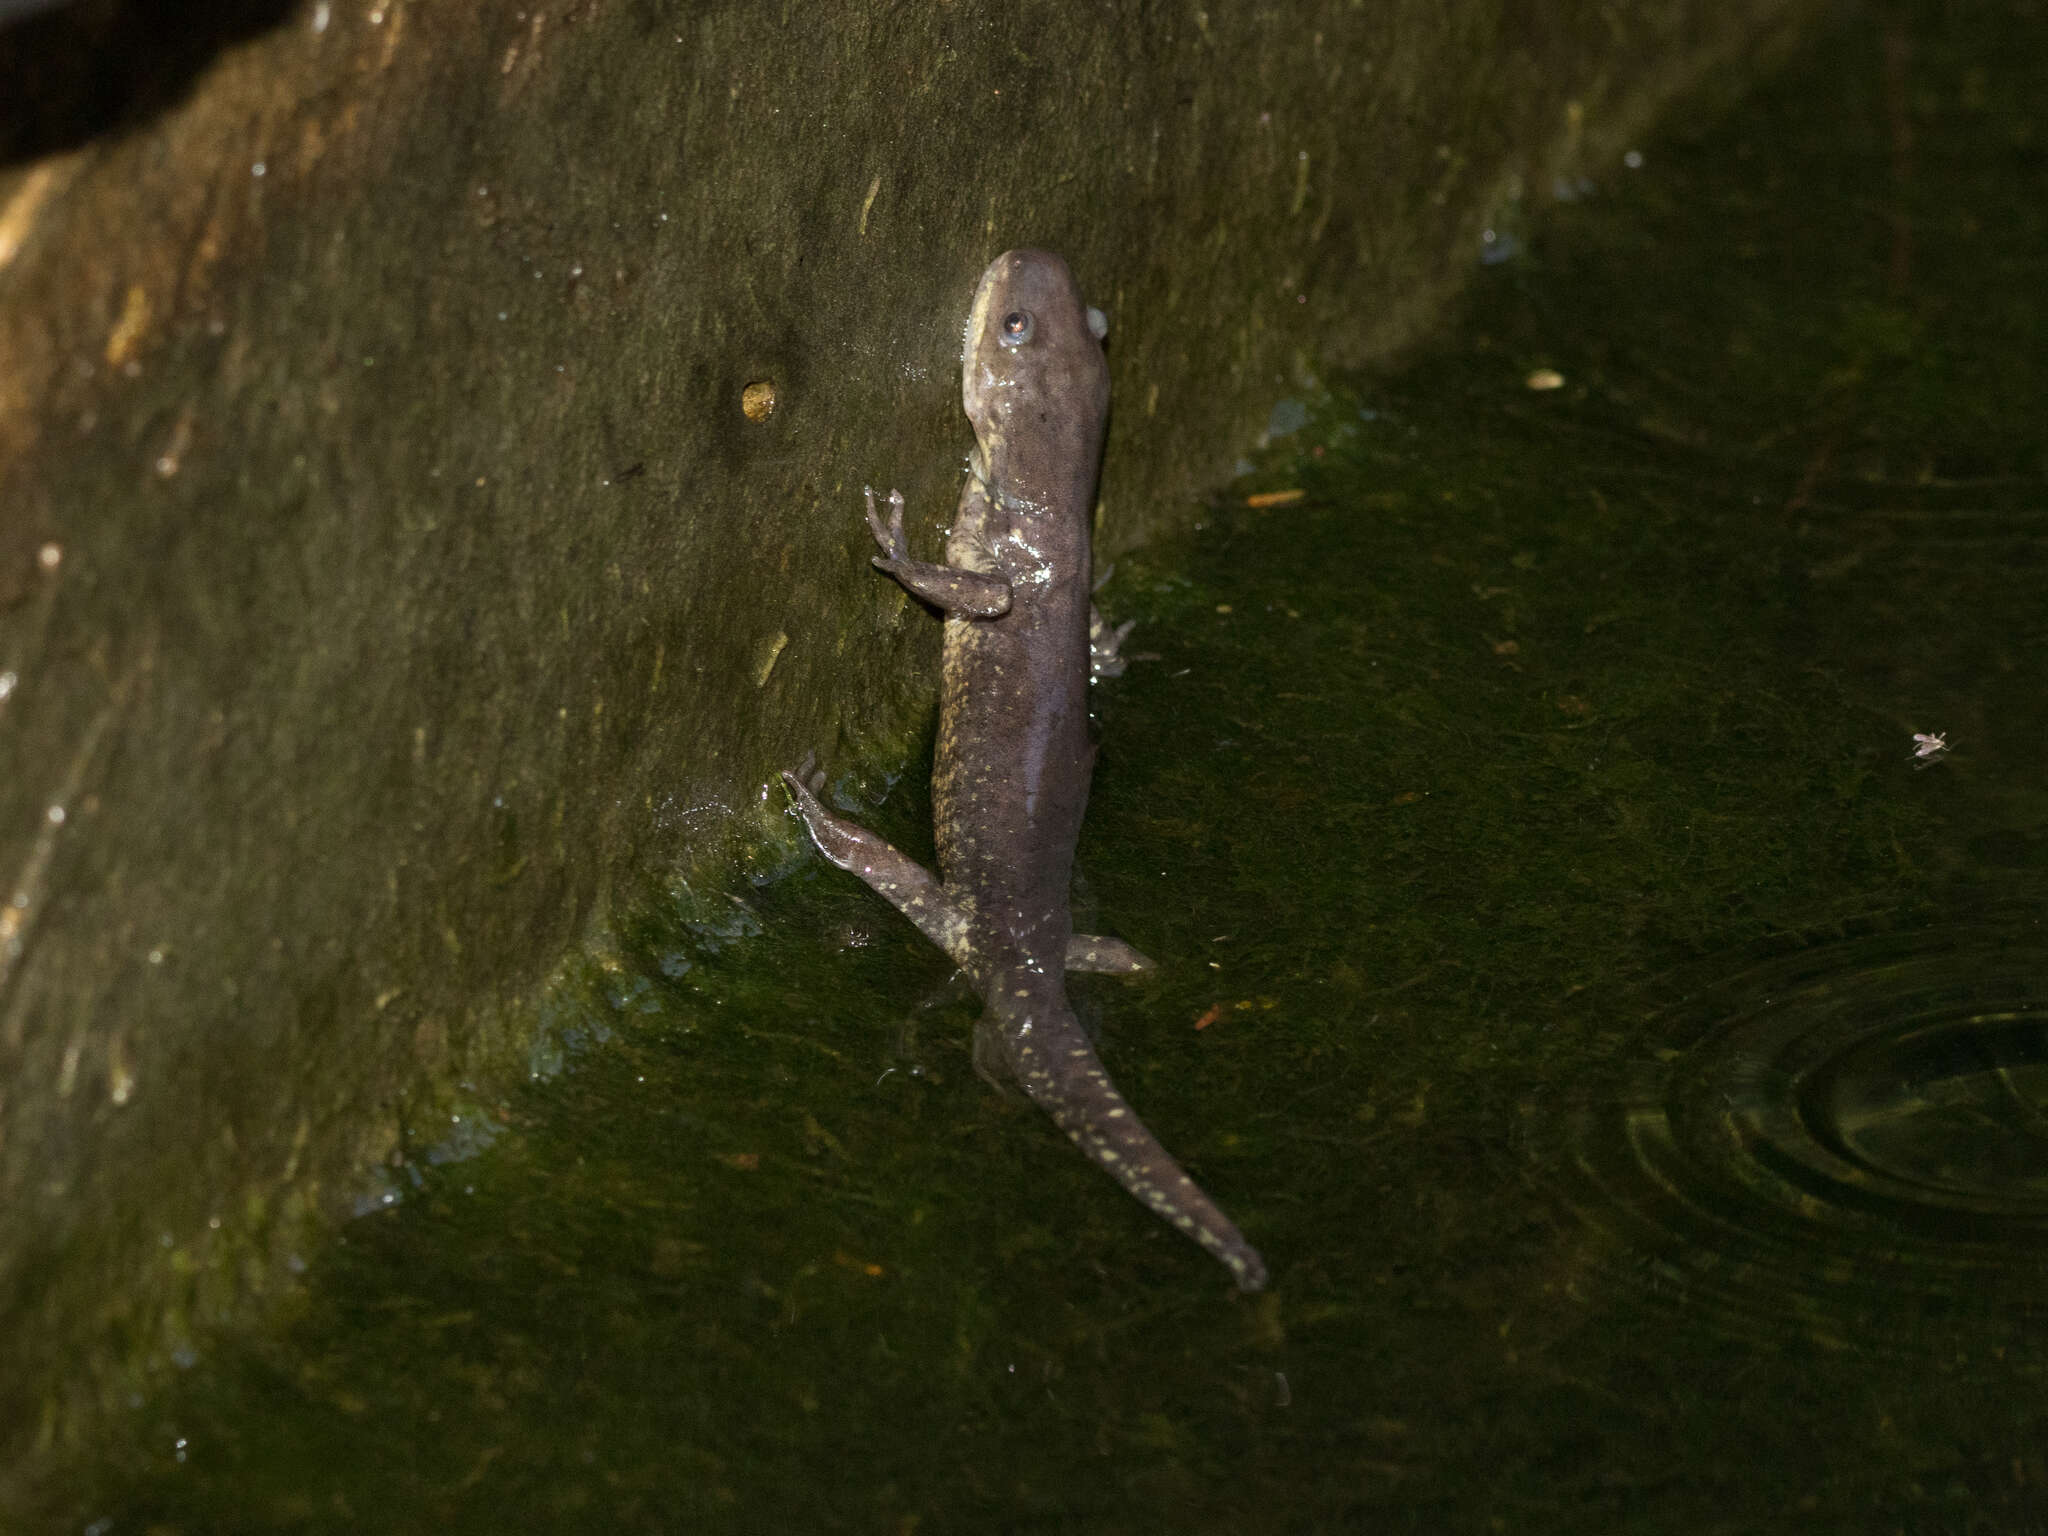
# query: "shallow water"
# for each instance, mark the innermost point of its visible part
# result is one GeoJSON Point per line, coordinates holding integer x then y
{"type": "Point", "coordinates": [1630, 1057]}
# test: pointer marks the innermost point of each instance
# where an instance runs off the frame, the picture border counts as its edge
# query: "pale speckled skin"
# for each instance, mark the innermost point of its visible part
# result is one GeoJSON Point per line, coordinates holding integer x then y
{"type": "Point", "coordinates": [1010, 779]}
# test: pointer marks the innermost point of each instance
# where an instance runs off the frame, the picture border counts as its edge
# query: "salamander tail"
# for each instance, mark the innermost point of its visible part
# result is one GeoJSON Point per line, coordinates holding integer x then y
{"type": "Point", "coordinates": [1051, 1058]}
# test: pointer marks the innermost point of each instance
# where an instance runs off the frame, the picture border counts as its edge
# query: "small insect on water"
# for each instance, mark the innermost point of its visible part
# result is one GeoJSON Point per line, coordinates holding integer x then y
{"type": "Point", "coordinates": [1927, 750]}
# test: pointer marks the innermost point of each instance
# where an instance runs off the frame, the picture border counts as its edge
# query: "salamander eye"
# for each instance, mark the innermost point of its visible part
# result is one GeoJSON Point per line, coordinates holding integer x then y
{"type": "Point", "coordinates": [1016, 328]}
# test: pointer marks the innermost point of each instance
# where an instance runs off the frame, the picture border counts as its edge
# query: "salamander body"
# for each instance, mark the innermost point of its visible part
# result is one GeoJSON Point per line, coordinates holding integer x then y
{"type": "Point", "coordinates": [1010, 778]}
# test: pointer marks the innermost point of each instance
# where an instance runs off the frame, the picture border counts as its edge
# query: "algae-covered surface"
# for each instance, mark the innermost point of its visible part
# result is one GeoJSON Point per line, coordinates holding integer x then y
{"type": "Point", "coordinates": [1626, 1043]}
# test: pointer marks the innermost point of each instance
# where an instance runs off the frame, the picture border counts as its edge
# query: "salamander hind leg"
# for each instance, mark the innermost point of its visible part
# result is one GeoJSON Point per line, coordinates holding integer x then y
{"type": "Point", "coordinates": [1104, 956]}
{"type": "Point", "coordinates": [899, 879]}
{"type": "Point", "coordinates": [992, 1058]}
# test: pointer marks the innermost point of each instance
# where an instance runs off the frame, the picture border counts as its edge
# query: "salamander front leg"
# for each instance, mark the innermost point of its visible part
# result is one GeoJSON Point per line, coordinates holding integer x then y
{"type": "Point", "coordinates": [954, 592]}
{"type": "Point", "coordinates": [1105, 658]}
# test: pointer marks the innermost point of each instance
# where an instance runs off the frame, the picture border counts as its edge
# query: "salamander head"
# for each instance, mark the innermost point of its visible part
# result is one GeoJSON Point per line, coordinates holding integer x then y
{"type": "Point", "coordinates": [1033, 378]}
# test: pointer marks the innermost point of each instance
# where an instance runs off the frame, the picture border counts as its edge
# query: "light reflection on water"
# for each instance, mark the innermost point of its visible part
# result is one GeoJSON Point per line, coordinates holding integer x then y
{"type": "Point", "coordinates": [1849, 1138]}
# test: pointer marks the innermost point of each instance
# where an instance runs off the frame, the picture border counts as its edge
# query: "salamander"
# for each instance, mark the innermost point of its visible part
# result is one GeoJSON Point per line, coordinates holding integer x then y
{"type": "Point", "coordinates": [1014, 756]}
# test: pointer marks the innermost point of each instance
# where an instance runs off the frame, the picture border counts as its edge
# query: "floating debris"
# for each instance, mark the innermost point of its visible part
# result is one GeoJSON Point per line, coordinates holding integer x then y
{"type": "Point", "coordinates": [1929, 750]}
